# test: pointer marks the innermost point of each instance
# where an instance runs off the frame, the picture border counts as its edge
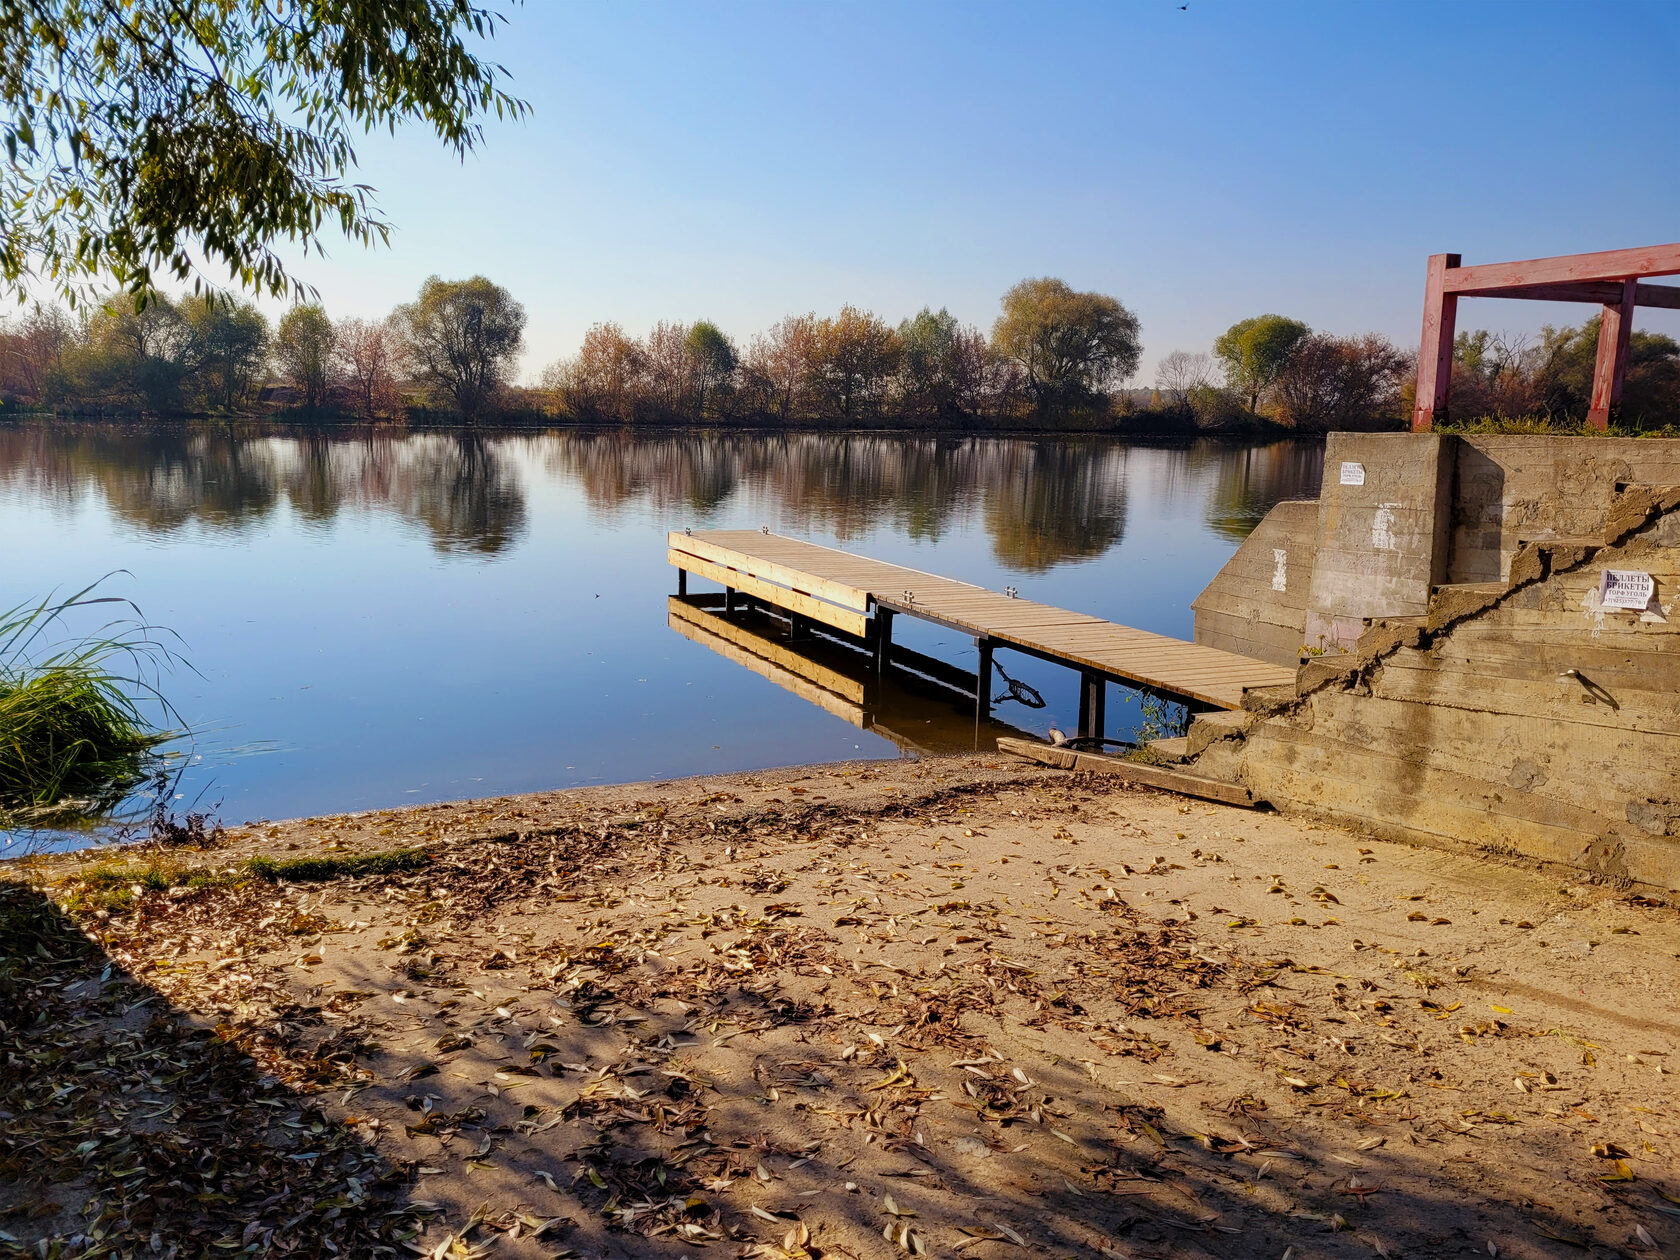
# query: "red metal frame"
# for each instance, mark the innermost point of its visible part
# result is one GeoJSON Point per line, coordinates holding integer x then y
{"type": "Point", "coordinates": [1611, 279]}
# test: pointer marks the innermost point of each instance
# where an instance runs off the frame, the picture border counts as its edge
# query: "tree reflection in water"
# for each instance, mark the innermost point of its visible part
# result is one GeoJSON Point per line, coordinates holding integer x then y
{"type": "Point", "coordinates": [1042, 501]}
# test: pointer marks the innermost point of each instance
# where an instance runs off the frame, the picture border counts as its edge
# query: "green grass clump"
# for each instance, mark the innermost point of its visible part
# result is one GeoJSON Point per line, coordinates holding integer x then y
{"type": "Point", "coordinates": [112, 886]}
{"type": "Point", "coordinates": [1543, 426]}
{"type": "Point", "coordinates": [336, 866]}
{"type": "Point", "coordinates": [71, 727]}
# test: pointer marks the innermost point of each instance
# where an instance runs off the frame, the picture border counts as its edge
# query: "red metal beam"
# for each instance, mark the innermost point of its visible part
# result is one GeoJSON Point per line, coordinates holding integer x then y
{"type": "Point", "coordinates": [1614, 264]}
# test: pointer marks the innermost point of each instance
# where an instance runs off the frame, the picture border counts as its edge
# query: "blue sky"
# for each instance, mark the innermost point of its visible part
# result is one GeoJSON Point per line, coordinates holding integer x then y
{"type": "Point", "coordinates": [740, 161]}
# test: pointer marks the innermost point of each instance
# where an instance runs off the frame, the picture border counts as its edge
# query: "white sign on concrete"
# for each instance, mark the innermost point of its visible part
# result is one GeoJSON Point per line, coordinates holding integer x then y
{"type": "Point", "coordinates": [1353, 474]}
{"type": "Point", "coordinates": [1624, 588]}
{"type": "Point", "coordinates": [1280, 569]}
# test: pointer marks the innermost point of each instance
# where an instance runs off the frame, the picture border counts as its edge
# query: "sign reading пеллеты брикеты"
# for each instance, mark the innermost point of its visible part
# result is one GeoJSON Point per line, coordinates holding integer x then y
{"type": "Point", "coordinates": [1625, 588]}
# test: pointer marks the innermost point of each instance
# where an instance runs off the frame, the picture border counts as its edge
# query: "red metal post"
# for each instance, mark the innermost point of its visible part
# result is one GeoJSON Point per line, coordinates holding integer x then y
{"type": "Point", "coordinates": [1614, 329]}
{"type": "Point", "coordinates": [1440, 318]}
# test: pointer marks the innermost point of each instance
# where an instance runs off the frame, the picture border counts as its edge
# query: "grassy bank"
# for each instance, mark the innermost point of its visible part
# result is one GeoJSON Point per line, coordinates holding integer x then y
{"type": "Point", "coordinates": [73, 736]}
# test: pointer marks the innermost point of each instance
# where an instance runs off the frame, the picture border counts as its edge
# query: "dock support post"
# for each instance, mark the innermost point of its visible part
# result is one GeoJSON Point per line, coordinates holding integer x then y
{"type": "Point", "coordinates": [728, 600]}
{"type": "Point", "coordinates": [1093, 695]}
{"type": "Point", "coordinates": [682, 582]}
{"type": "Point", "coordinates": [883, 639]}
{"type": "Point", "coordinates": [983, 681]}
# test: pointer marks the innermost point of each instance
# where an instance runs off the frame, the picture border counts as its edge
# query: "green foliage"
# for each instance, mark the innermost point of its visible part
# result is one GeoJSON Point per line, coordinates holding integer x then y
{"type": "Point", "coordinates": [72, 734]}
{"type": "Point", "coordinates": [146, 133]}
{"type": "Point", "coordinates": [229, 350]}
{"type": "Point", "coordinates": [304, 346]}
{"type": "Point", "coordinates": [942, 365]}
{"type": "Point", "coordinates": [712, 361]}
{"type": "Point", "coordinates": [462, 336]}
{"type": "Point", "coordinates": [1256, 351]}
{"type": "Point", "coordinates": [1070, 345]}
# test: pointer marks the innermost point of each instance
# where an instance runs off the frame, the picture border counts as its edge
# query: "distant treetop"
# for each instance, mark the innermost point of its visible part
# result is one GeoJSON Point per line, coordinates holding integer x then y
{"type": "Point", "coordinates": [149, 137]}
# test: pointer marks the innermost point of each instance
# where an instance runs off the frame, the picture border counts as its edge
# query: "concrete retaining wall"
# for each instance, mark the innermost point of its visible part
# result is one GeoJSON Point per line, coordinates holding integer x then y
{"type": "Point", "coordinates": [1508, 489]}
{"type": "Point", "coordinates": [1528, 720]}
{"type": "Point", "coordinates": [1257, 606]}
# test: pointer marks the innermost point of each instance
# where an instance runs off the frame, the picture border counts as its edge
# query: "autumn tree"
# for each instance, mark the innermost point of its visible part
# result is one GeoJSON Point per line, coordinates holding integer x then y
{"type": "Point", "coordinates": [462, 337]}
{"type": "Point", "coordinates": [1340, 382]}
{"type": "Point", "coordinates": [304, 347]}
{"type": "Point", "coordinates": [369, 355]}
{"type": "Point", "coordinates": [147, 135]}
{"type": "Point", "coordinates": [1070, 346]}
{"type": "Point", "coordinates": [779, 364]}
{"type": "Point", "coordinates": [853, 356]}
{"type": "Point", "coordinates": [712, 363]}
{"type": "Point", "coordinates": [1256, 351]}
{"type": "Point", "coordinates": [942, 366]}
{"type": "Point", "coordinates": [604, 381]}
{"type": "Point", "coordinates": [32, 352]}
{"type": "Point", "coordinates": [667, 370]}
{"type": "Point", "coordinates": [134, 358]}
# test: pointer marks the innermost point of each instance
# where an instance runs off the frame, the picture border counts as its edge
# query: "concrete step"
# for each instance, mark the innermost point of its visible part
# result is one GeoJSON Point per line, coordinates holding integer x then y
{"type": "Point", "coordinates": [1208, 728]}
{"type": "Point", "coordinates": [1176, 748]}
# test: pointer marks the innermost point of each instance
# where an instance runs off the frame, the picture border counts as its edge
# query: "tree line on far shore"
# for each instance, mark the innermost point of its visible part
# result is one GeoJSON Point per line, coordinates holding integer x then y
{"type": "Point", "coordinates": [1054, 358]}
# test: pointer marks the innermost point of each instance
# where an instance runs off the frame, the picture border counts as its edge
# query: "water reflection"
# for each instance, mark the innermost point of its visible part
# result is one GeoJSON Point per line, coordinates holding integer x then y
{"type": "Point", "coordinates": [914, 711]}
{"type": "Point", "coordinates": [461, 488]}
{"type": "Point", "coordinates": [399, 617]}
{"type": "Point", "coordinates": [1043, 501]}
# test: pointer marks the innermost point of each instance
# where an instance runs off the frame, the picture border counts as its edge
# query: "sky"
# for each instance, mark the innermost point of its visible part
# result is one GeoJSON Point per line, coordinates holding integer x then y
{"type": "Point", "coordinates": [742, 161]}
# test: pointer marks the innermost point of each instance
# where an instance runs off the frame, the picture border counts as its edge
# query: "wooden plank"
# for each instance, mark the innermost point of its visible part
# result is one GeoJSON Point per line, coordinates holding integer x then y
{"type": "Point", "coordinates": [1180, 781]}
{"type": "Point", "coordinates": [1440, 315]}
{"type": "Point", "coordinates": [805, 583]}
{"type": "Point", "coordinates": [1613, 264]}
{"type": "Point", "coordinates": [1661, 296]}
{"type": "Point", "coordinates": [1614, 329]}
{"type": "Point", "coordinates": [806, 605]}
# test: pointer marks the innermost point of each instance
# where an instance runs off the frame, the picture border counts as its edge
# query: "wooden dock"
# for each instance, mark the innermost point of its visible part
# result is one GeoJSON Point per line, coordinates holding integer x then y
{"type": "Point", "coordinates": [859, 597]}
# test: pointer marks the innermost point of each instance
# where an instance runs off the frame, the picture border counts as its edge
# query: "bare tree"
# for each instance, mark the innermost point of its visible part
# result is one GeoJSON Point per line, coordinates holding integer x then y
{"type": "Point", "coordinates": [1181, 374]}
{"type": "Point", "coordinates": [369, 353]}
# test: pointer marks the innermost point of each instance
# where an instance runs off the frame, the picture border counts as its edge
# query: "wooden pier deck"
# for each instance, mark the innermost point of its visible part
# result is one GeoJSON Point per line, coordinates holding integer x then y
{"type": "Point", "coordinates": [859, 597]}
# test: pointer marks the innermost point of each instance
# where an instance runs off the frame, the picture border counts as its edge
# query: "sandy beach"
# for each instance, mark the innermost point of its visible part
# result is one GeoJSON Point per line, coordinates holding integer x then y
{"type": "Point", "coordinates": [956, 1006]}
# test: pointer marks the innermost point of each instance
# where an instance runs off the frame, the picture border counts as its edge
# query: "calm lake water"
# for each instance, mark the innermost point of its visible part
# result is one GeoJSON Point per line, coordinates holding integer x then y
{"type": "Point", "coordinates": [380, 619]}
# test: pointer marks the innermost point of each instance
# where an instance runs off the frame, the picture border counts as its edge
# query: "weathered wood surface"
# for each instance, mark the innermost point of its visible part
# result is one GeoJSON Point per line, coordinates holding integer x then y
{"type": "Point", "coordinates": [1611, 264]}
{"type": "Point", "coordinates": [795, 601]}
{"type": "Point", "coordinates": [803, 569]}
{"type": "Point", "coordinates": [1600, 292]}
{"type": "Point", "coordinates": [1614, 329]}
{"type": "Point", "coordinates": [1440, 319]}
{"type": "Point", "coordinates": [1136, 771]}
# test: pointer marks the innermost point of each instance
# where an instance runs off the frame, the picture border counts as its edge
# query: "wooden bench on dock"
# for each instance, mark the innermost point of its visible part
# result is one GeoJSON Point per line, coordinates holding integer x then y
{"type": "Point", "coordinates": [859, 597]}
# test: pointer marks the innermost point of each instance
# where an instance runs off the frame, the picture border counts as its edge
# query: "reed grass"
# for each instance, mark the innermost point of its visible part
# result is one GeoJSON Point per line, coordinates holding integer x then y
{"type": "Point", "coordinates": [74, 736]}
